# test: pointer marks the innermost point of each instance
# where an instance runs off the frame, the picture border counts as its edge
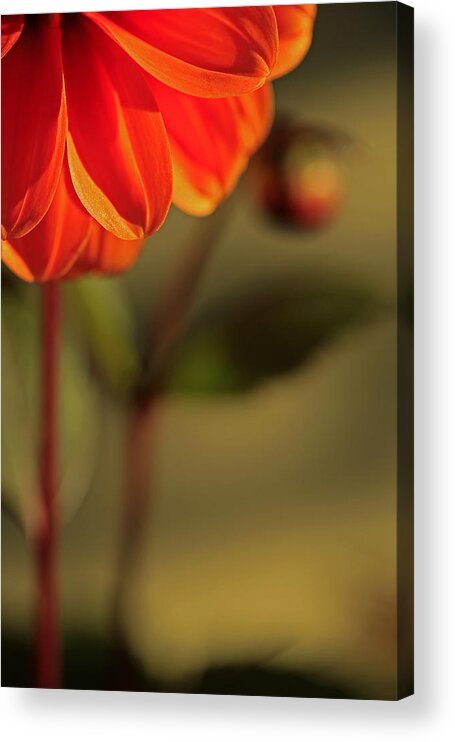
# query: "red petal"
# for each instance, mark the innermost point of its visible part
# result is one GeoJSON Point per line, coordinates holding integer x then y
{"type": "Point", "coordinates": [211, 53]}
{"type": "Point", "coordinates": [49, 250]}
{"type": "Point", "coordinates": [211, 141]}
{"type": "Point", "coordinates": [295, 32]}
{"type": "Point", "coordinates": [12, 26]}
{"type": "Point", "coordinates": [118, 150]}
{"type": "Point", "coordinates": [33, 126]}
{"type": "Point", "coordinates": [106, 254]}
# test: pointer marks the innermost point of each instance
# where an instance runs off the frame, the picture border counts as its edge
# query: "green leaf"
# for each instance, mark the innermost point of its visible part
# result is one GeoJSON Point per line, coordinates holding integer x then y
{"type": "Point", "coordinates": [80, 419]}
{"type": "Point", "coordinates": [268, 333]}
{"type": "Point", "coordinates": [104, 315]}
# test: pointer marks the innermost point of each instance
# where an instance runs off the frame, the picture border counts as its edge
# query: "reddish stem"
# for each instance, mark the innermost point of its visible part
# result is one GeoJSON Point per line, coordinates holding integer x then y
{"type": "Point", "coordinates": [47, 628]}
{"type": "Point", "coordinates": [170, 321]}
{"type": "Point", "coordinates": [139, 445]}
{"type": "Point", "coordinates": [138, 456]}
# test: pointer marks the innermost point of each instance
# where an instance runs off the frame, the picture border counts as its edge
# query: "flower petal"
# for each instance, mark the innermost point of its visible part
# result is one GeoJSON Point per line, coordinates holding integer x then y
{"type": "Point", "coordinates": [12, 26]}
{"type": "Point", "coordinates": [211, 141]}
{"type": "Point", "coordinates": [106, 254]}
{"type": "Point", "coordinates": [49, 250]}
{"type": "Point", "coordinates": [118, 150]}
{"type": "Point", "coordinates": [295, 32]}
{"type": "Point", "coordinates": [33, 126]}
{"type": "Point", "coordinates": [209, 52]}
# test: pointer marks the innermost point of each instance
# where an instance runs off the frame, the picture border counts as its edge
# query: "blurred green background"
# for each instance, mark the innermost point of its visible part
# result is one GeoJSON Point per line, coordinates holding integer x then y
{"type": "Point", "coordinates": [266, 558]}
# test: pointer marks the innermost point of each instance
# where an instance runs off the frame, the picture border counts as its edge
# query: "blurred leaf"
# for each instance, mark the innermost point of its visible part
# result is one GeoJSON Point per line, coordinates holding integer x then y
{"type": "Point", "coordinates": [11, 284]}
{"type": "Point", "coordinates": [264, 335]}
{"type": "Point", "coordinates": [105, 317]}
{"type": "Point", "coordinates": [255, 679]}
{"type": "Point", "coordinates": [79, 422]}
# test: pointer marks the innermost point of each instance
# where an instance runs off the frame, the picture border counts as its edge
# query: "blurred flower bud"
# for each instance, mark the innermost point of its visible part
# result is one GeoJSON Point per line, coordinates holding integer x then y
{"type": "Point", "coordinates": [298, 176]}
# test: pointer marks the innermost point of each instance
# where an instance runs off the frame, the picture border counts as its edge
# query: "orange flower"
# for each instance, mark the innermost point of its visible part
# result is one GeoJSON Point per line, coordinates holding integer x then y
{"type": "Point", "coordinates": [107, 117]}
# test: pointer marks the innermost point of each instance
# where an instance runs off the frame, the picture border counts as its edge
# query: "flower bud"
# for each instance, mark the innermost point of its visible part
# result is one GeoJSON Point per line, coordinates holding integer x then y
{"type": "Point", "coordinates": [298, 176]}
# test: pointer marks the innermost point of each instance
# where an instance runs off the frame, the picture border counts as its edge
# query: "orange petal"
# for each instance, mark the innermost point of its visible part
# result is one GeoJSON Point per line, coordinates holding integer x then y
{"type": "Point", "coordinates": [118, 150]}
{"type": "Point", "coordinates": [295, 32]}
{"type": "Point", "coordinates": [33, 126]}
{"type": "Point", "coordinates": [49, 250]}
{"type": "Point", "coordinates": [209, 52]}
{"type": "Point", "coordinates": [12, 26]}
{"type": "Point", "coordinates": [106, 254]}
{"type": "Point", "coordinates": [211, 141]}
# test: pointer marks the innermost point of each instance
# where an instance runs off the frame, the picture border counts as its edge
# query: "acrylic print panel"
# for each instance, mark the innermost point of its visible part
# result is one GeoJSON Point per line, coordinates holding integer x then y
{"type": "Point", "coordinates": [207, 350]}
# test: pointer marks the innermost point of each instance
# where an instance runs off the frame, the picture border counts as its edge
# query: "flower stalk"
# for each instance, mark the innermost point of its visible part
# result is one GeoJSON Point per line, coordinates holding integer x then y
{"type": "Point", "coordinates": [47, 624]}
{"type": "Point", "coordinates": [169, 325]}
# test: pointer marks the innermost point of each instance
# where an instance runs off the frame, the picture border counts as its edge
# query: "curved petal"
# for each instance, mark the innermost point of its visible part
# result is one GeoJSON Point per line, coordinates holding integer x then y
{"type": "Point", "coordinates": [295, 32]}
{"type": "Point", "coordinates": [118, 150]}
{"type": "Point", "coordinates": [49, 250]}
{"type": "Point", "coordinates": [209, 52]}
{"type": "Point", "coordinates": [33, 126]}
{"type": "Point", "coordinates": [106, 254]}
{"type": "Point", "coordinates": [211, 141]}
{"type": "Point", "coordinates": [12, 26]}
